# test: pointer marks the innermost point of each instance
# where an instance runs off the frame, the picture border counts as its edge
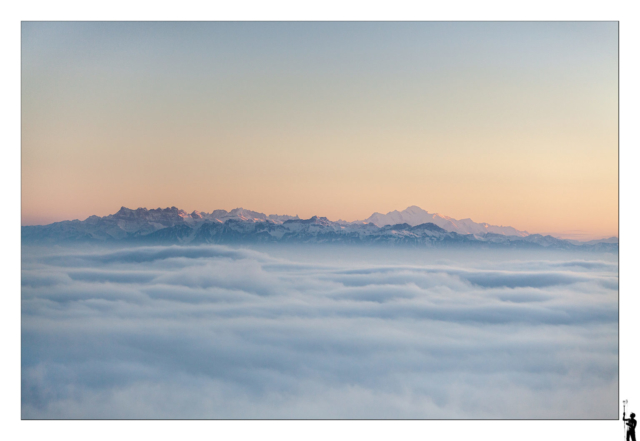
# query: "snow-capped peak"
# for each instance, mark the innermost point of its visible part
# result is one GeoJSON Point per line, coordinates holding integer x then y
{"type": "Point", "coordinates": [415, 215]}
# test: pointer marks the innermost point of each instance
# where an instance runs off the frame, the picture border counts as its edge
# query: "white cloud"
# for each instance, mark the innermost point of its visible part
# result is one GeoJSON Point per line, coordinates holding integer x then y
{"type": "Point", "coordinates": [213, 332]}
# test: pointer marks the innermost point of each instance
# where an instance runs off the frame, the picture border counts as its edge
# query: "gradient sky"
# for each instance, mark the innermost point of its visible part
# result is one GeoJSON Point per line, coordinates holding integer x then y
{"type": "Point", "coordinates": [506, 123]}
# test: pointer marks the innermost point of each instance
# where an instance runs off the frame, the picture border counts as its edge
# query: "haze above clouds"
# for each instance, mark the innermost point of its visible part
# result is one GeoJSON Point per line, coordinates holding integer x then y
{"type": "Point", "coordinates": [276, 332]}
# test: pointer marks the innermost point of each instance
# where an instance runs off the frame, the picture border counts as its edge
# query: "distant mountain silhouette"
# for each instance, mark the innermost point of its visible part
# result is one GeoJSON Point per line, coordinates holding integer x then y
{"type": "Point", "coordinates": [175, 226]}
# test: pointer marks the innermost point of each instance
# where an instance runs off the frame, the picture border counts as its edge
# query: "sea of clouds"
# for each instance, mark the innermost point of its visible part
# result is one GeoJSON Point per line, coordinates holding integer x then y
{"type": "Point", "coordinates": [318, 332]}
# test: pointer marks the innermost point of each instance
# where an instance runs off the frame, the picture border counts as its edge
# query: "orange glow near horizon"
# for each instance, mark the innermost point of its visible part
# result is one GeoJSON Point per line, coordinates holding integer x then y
{"type": "Point", "coordinates": [520, 130]}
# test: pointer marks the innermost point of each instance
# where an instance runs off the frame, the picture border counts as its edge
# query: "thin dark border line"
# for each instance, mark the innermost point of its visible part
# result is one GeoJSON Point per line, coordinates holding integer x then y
{"type": "Point", "coordinates": [325, 21]}
{"type": "Point", "coordinates": [619, 417]}
{"type": "Point", "coordinates": [316, 21]}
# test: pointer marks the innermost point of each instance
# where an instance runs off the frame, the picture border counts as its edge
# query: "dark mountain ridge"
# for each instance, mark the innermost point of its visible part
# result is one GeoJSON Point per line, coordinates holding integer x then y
{"type": "Point", "coordinates": [175, 226]}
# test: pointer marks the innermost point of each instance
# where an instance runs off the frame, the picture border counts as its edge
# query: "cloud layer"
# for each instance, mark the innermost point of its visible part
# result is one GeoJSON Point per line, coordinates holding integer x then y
{"type": "Point", "coordinates": [215, 332]}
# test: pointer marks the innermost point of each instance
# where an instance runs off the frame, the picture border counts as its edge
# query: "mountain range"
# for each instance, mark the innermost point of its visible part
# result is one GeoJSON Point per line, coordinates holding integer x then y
{"type": "Point", "coordinates": [415, 216]}
{"type": "Point", "coordinates": [412, 226]}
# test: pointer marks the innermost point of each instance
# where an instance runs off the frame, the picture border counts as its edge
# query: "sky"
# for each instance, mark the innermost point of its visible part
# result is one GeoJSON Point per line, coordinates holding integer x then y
{"type": "Point", "coordinates": [215, 332]}
{"type": "Point", "coordinates": [505, 123]}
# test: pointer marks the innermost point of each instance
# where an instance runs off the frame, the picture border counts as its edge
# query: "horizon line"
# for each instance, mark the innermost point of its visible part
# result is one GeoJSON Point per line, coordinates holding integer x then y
{"type": "Point", "coordinates": [565, 235]}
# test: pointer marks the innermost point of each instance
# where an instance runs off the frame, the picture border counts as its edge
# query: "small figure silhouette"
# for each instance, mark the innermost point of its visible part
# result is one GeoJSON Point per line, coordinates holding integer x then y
{"type": "Point", "coordinates": [631, 426]}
